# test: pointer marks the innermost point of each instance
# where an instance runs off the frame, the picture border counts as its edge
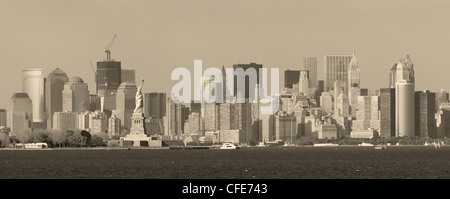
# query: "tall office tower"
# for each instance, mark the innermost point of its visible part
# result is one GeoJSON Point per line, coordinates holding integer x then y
{"type": "Point", "coordinates": [268, 128]}
{"type": "Point", "coordinates": [443, 123]}
{"type": "Point", "coordinates": [441, 97]}
{"type": "Point", "coordinates": [353, 84]}
{"type": "Point", "coordinates": [367, 115]}
{"type": "Point", "coordinates": [375, 108]}
{"type": "Point", "coordinates": [212, 112]}
{"type": "Point", "coordinates": [339, 86]}
{"type": "Point", "coordinates": [404, 98]}
{"type": "Point", "coordinates": [291, 77]}
{"type": "Point", "coordinates": [364, 92]}
{"type": "Point", "coordinates": [341, 105]}
{"type": "Point", "coordinates": [425, 112]}
{"type": "Point", "coordinates": [114, 126]}
{"type": "Point", "coordinates": [243, 121]}
{"type": "Point", "coordinates": [19, 113]}
{"type": "Point", "coordinates": [33, 84]}
{"type": "Point", "coordinates": [286, 127]}
{"type": "Point", "coordinates": [128, 75]}
{"type": "Point", "coordinates": [125, 103]}
{"type": "Point", "coordinates": [94, 102]}
{"type": "Point", "coordinates": [193, 124]}
{"type": "Point", "coordinates": [83, 120]}
{"type": "Point", "coordinates": [76, 95]}
{"type": "Point", "coordinates": [326, 102]}
{"type": "Point", "coordinates": [175, 122]}
{"type": "Point", "coordinates": [226, 116]}
{"type": "Point", "coordinates": [303, 84]}
{"type": "Point", "coordinates": [364, 108]}
{"type": "Point", "coordinates": [336, 68]}
{"type": "Point", "coordinates": [310, 64]}
{"type": "Point", "coordinates": [98, 124]}
{"type": "Point", "coordinates": [3, 117]}
{"type": "Point", "coordinates": [54, 86]}
{"type": "Point", "coordinates": [319, 92]}
{"type": "Point", "coordinates": [64, 121]}
{"type": "Point", "coordinates": [387, 112]}
{"type": "Point", "coordinates": [248, 88]}
{"type": "Point", "coordinates": [108, 78]}
{"type": "Point", "coordinates": [195, 107]}
{"type": "Point", "coordinates": [155, 104]}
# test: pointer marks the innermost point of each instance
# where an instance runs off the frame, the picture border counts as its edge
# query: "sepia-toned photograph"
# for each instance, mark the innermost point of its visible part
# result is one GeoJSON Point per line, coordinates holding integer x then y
{"type": "Point", "coordinates": [207, 91]}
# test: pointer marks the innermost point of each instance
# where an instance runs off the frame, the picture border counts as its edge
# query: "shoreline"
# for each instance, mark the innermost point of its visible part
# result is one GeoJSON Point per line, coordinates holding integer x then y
{"type": "Point", "coordinates": [210, 147]}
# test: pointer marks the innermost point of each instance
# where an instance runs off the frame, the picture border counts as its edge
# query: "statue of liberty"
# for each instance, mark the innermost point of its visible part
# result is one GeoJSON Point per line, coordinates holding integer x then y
{"type": "Point", "coordinates": [139, 101]}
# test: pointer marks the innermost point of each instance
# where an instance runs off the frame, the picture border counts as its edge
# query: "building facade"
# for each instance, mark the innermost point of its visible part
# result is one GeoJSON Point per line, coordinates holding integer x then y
{"type": "Point", "coordinates": [335, 68]}
{"type": "Point", "coordinates": [76, 95]}
{"type": "Point", "coordinates": [54, 86]}
{"type": "Point", "coordinates": [425, 114]}
{"type": "Point", "coordinates": [33, 84]}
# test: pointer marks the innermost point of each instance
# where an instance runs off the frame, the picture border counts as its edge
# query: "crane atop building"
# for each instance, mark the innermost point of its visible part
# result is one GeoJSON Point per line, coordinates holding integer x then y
{"type": "Point", "coordinates": [107, 49]}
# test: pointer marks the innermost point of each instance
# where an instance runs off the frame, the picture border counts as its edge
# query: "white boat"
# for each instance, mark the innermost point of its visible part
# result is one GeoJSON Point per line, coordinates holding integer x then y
{"type": "Point", "coordinates": [326, 144]}
{"type": "Point", "coordinates": [365, 144]}
{"type": "Point", "coordinates": [229, 146]}
{"type": "Point", "coordinates": [261, 144]}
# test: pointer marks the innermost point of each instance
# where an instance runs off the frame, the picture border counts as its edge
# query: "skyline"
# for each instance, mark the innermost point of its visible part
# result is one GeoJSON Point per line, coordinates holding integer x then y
{"type": "Point", "coordinates": [165, 35]}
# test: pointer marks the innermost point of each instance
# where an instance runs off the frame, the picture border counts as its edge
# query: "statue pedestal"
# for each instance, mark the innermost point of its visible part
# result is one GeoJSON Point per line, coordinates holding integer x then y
{"type": "Point", "coordinates": [138, 136]}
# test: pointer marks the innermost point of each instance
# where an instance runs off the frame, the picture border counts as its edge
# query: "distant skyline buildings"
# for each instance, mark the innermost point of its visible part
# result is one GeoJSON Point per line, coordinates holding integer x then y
{"type": "Point", "coordinates": [108, 77]}
{"type": "Point", "coordinates": [20, 113]}
{"type": "Point", "coordinates": [33, 84]}
{"type": "Point", "coordinates": [54, 86]}
{"type": "Point", "coordinates": [76, 95]}
{"type": "Point", "coordinates": [335, 68]}
{"type": "Point", "coordinates": [404, 97]}
{"type": "Point", "coordinates": [310, 64]}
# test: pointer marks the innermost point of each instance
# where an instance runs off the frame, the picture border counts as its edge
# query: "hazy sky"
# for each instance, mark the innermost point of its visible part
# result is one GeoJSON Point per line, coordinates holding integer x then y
{"type": "Point", "coordinates": [156, 36]}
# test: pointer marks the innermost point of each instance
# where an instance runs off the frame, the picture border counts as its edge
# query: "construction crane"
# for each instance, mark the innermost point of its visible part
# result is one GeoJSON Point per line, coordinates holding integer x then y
{"type": "Point", "coordinates": [107, 49]}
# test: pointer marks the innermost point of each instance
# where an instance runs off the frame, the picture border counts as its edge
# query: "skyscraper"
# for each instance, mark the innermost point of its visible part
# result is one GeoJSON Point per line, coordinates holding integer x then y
{"type": "Point", "coordinates": [76, 95]}
{"type": "Point", "coordinates": [125, 103]}
{"type": "Point", "coordinates": [310, 64]}
{"type": "Point", "coordinates": [425, 114]}
{"type": "Point", "coordinates": [353, 84]}
{"type": "Point", "coordinates": [291, 77]}
{"type": "Point", "coordinates": [404, 98]}
{"type": "Point", "coordinates": [108, 78]}
{"type": "Point", "coordinates": [128, 75]}
{"type": "Point", "coordinates": [335, 68]}
{"type": "Point", "coordinates": [441, 97]}
{"type": "Point", "coordinates": [326, 102]}
{"type": "Point", "coordinates": [20, 113]}
{"type": "Point", "coordinates": [155, 104]}
{"type": "Point", "coordinates": [175, 122]}
{"type": "Point", "coordinates": [303, 84]}
{"type": "Point", "coordinates": [54, 86]}
{"type": "Point", "coordinates": [341, 105]}
{"type": "Point", "coordinates": [3, 117]}
{"type": "Point", "coordinates": [33, 84]}
{"type": "Point", "coordinates": [387, 112]}
{"type": "Point", "coordinates": [248, 88]}
{"type": "Point", "coordinates": [64, 121]}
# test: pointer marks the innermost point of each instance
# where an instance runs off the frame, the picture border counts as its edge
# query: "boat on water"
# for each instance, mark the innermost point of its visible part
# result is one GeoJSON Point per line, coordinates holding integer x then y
{"type": "Point", "coordinates": [365, 144]}
{"type": "Point", "coordinates": [289, 144]}
{"type": "Point", "coordinates": [326, 144]}
{"type": "Point", "coordinates": [380, 147]}
{"type": "Point", "coordinates": [228, 145]}
{"type": "Point", "coordinates": [275, 143]}
{"type": "Point", "coordinates": [261, 144]}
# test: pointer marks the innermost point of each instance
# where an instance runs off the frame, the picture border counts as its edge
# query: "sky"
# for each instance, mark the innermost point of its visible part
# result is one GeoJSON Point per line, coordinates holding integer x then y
{"type": "Point", "coordinates": [154, 37]}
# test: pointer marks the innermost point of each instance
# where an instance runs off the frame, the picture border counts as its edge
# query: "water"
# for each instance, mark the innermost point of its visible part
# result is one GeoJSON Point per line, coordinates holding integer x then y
{"type": "Point", "coordinates": [416, 162]}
